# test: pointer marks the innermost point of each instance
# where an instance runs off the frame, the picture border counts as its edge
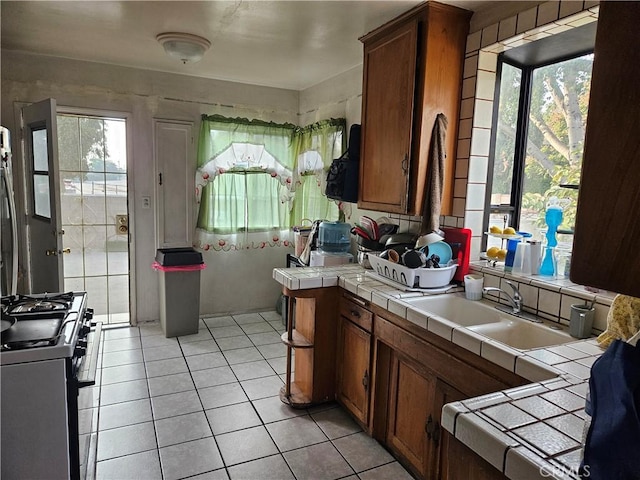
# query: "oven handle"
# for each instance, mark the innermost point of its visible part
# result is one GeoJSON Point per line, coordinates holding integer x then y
{"type": "Point", "coordinates": [87, 376]}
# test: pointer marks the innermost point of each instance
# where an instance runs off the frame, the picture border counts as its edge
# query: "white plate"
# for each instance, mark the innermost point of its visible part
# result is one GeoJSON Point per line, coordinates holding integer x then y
{"type": "Point", "coordinates": [502, 235]}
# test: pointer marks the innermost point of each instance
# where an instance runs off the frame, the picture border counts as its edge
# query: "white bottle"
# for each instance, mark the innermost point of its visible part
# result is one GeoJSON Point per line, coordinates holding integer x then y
{"type": "Point", "coordinates": [535, 252]}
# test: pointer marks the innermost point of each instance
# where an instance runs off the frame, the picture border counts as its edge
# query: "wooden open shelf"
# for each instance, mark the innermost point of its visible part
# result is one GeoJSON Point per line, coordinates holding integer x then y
{"type": "Point", "coordinates": [295, 399]}
{"type": "Point", "coordinates": [315, 337]}
{"type": "Point", "coordinates": [297, 340]}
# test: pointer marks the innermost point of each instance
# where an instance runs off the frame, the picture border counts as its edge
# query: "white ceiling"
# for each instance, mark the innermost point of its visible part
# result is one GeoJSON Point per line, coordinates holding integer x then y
{"type": "Point", "coordinates": [286, 44]}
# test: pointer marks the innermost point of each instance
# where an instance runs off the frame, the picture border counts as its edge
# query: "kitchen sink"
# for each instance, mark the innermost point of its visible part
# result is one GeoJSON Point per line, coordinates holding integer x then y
{"type": "Point", "coordinates": [522, 334]}
{"type": "Point", "coordinates": [483, 317]}
{"type": "Point", "coordinates": [456, 308]}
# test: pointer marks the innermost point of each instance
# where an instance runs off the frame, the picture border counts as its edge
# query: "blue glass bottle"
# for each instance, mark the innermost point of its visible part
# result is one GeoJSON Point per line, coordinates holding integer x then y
{"type": "Point", "coordinates": [553, 218]}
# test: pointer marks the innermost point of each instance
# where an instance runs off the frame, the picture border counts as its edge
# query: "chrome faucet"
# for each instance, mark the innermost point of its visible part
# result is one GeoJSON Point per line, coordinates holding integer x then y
{"type": "Point", "coordinates": [515, 300]}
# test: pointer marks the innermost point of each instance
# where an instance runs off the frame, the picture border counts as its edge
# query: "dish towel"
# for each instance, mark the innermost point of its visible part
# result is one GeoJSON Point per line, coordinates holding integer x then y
{"type": "Point", "coordinates": [623, 320]}
{"type": "Point", "coordinates": [435, 177]}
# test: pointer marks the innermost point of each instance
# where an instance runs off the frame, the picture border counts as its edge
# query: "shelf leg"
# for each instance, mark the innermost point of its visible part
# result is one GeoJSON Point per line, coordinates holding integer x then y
{"type": "Point", "coordinates": [290, 313]}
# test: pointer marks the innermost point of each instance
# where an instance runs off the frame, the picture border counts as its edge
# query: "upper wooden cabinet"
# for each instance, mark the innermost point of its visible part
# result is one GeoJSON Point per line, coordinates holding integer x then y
{"type": "Point", "coordinates": [605, 249]}
{"type": "Point", "coordinates": [412, 72]}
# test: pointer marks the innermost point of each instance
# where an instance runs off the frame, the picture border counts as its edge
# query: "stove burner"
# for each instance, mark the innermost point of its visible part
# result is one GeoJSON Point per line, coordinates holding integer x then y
{"type": "Point", "coordinates": [35, 320]}
{"type": "Point", "coordinates": [39, 306]}
{"type": "Point", "coordinates": [22, 304]}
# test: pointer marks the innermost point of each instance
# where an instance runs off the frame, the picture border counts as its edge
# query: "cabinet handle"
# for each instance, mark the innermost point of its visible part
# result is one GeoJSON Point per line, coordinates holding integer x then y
{"type": "Point", "coordinates": [405, 163]}
{"type": "Point", "coordinates": [433, 430]}
{"type": "Point", "coordinates": [429, 427]}
{"type": "Point", "coordinates": [355, 314]}
{"type": "Point", "coordinates": [365, 380]}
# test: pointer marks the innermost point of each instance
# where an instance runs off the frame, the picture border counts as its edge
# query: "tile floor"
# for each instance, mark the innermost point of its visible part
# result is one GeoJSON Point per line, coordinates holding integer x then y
{"type": "Point", "coordinates": [206, 406]}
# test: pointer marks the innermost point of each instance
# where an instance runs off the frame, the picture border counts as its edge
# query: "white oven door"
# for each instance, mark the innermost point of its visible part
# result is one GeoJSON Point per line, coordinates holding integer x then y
{"type": "Point", "coordinates": [35, 439]}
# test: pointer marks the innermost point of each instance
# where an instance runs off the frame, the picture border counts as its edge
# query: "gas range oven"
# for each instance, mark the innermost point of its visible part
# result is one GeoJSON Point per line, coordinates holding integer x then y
{"type": "Point", "coordinates": [48, 351]}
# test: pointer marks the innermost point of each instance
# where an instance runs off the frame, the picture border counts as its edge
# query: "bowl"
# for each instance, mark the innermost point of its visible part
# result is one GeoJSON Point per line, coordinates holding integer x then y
{"type": "Point", "coordinates": [363, 257]}
{"type": "Point", "coordinates": [435, 277]}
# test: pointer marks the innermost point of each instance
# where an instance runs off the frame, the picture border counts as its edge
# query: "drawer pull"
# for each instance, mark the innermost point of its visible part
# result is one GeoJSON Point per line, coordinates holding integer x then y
{"type": "Point", "coordinates": [355, 314]}
{"type": "Point", "coordinates": [362, 303]}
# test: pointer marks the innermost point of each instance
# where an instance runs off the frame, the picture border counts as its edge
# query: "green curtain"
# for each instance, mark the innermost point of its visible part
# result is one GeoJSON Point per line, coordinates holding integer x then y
{"type": "Point", "coordinates": [236, 196]}
{"type": "Point", "coordinates": [217, 133]}
{"type": "Point", "coordinates": [310, 203]}
{"type": "Point", "coordinates": [222, 206]}
{"type": "Point", "coordinates": [328, 139]}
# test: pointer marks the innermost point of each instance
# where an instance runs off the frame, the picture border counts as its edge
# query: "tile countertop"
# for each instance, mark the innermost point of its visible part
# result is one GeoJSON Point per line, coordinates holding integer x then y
{"type": "Point", "coordinates": [527, 432]}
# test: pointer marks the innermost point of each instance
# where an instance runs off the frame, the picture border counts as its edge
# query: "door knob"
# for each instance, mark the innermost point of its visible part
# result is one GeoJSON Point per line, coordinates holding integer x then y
{"type": "Point", "coordinates": [54, 253]}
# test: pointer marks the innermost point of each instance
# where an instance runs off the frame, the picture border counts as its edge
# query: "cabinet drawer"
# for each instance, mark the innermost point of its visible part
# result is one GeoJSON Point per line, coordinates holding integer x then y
{"type": "Point", "coordinates": [356, 313]}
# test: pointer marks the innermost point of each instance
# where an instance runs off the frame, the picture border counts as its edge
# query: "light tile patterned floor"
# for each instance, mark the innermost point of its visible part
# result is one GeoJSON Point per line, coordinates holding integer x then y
{"type": "Point", "coordinates": [206, 406]}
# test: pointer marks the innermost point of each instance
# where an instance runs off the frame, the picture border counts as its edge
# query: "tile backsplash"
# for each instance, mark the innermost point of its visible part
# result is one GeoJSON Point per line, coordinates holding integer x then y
{"type": "Point", "coordinates": [547, 297]}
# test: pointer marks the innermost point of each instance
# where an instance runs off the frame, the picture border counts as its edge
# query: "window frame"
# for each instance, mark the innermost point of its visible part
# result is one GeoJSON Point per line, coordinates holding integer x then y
{"type": "Point", "coordinates": [522, 128]}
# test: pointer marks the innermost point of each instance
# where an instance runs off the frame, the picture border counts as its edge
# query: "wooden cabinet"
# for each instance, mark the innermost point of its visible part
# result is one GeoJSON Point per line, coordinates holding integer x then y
{"type": "Point", "coordinates": [421, 379]}
{"type": "Point", "coordinates": [412, 72]}
{"type": "Point", "coordinates": [605, 248]}
{"type": "Point", "coordinates": [354, 358]}
{"type": "Point", "coordinates": [314, 341]}
{"type": "Point", "coordinates": [413, 418]}
{"type": "Point", "coordinates": [459, 462]}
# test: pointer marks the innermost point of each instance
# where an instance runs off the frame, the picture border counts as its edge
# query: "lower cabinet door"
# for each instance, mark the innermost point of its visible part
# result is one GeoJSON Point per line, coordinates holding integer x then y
{"type": "Point", "coordinates": [354, 348]}
{"type": "Point", "coordinates": [411, 391]}
{"type": "Point", "coordinates": [440, 462]}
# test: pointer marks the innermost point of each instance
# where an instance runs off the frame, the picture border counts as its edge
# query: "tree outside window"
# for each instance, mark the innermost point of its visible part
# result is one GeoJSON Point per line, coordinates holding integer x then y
{"type": "Point", "coordinates": [539, 141]}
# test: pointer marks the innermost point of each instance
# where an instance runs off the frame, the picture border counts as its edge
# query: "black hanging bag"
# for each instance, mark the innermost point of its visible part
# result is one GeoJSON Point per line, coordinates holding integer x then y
{"type": "Point", "coordinates": [342, 177]}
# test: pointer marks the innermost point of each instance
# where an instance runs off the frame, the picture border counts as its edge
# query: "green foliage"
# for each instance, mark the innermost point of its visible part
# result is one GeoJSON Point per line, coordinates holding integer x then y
{"type": "Point", "coordinates": [558, 113]}
{"type": "Point", "coordinates": [81, 144]}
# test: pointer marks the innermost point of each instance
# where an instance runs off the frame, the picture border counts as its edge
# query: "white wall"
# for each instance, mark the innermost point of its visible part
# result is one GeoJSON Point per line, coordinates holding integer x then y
{"type": "Point", "coordinates": [241, 280]}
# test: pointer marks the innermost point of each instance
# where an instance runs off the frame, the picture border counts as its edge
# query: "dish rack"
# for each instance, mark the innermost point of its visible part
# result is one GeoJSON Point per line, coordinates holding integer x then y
{"type": "Point", "coordinates": [413, 277]}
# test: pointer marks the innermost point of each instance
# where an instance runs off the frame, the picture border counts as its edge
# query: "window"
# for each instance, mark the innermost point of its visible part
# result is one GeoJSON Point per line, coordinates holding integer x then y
{"type": "Point", "coordinates": [538, 140]}
{"type": "Point", "coordinates": [257, 176]}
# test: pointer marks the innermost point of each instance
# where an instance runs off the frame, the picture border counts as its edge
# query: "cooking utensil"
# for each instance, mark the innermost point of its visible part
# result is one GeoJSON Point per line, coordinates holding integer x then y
{"type": "Point", "coordinates": [371, 225]}
{"type": "Point", "coordinates": [360, 232]}
{"type": "Point", "coordinates": [401, 239]}
{"type": "Point", "coordinates": [386, 229]}
{"type": "Point", "coordinates": [6, 324]}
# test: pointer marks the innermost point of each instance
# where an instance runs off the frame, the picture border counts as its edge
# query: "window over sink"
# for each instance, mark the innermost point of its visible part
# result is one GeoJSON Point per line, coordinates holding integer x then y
{"type": "Point", "coordinates": [542, 97]}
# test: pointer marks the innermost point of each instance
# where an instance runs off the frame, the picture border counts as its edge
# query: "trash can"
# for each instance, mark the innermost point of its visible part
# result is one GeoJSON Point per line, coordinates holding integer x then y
{"type": "Point", "coordinates": [179, 270]}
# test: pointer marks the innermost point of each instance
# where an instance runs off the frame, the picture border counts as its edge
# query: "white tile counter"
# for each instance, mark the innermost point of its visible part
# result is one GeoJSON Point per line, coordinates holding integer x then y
{"type": "Point", "coordinates": [527, 432]}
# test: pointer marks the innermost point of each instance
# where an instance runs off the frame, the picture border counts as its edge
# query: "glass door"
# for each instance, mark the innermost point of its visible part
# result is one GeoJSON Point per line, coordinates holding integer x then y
{"type": "Point", "coordinates": [94, 208]}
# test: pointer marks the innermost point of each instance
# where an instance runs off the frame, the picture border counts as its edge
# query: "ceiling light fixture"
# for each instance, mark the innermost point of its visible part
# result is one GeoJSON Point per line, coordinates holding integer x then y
{"type": "Point", "coordinates": [184, 46]}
